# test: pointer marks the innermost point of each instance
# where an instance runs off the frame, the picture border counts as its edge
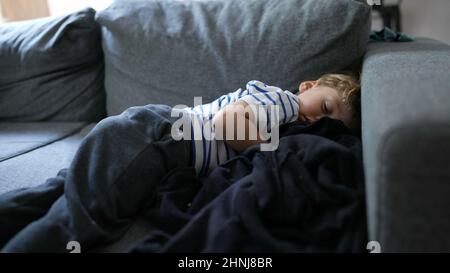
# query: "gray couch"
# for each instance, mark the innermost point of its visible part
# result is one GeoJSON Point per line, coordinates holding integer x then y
{"type": "Point", "coordinates": [405, 133]}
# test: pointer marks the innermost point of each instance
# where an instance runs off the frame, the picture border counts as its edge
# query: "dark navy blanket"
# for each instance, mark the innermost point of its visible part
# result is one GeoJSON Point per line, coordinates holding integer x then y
{"type": "Point", "coordinates": [307, 196]}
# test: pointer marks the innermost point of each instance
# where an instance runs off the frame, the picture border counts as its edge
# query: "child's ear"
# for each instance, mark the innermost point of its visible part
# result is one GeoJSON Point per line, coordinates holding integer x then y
{"type": "Point", "coordinates": [306, 85]}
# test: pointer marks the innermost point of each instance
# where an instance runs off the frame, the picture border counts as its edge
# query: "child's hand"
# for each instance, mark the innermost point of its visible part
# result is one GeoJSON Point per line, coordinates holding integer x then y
{"type": "Point", "coordinates": [235, 124]}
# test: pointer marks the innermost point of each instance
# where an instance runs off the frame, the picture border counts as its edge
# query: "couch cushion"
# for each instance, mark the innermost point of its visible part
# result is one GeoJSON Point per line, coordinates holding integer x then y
{"type": "Point", "coordinates": [169, 51]}
{"type": "Point", "coordinates": [52, 69]}
{"type": "Point", "coordinates": [38, 164]}
{"type": "Point", "coordinates": [19, 138]}
{"type": "Point", "coordinates": [51, 148]}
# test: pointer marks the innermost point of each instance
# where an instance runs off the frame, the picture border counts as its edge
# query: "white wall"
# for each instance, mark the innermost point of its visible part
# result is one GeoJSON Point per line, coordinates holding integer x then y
{"type": "Point", "coordinates": [427, 18]}
{"type": "Point", "coordinates": [59, 7]}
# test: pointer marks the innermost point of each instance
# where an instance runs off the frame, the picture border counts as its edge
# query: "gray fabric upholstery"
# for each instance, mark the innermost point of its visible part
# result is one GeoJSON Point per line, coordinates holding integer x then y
{"type": "Point", "coordinates": [34, 167]}
{"type": "Point", "coordinates": [170, 51]}
{"type": "Point", "coordinates": [52, 69]}
{"type": "Point", "coordinates": [151, 59]}
{"type": "Point", "coordinates": [406, 139]}
{"type": "Point", "coordinates": [19, 138]}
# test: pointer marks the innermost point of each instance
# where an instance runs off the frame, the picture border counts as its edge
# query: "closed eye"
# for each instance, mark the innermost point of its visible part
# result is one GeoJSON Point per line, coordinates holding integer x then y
{"type": "Point", "coordinates": [325, 109]}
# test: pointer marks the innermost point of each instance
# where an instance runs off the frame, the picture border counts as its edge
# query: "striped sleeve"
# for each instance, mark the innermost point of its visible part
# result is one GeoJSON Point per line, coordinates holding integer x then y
{"type": "Point", "coordinates": [292, 106]}
{"type": "Point", "coordinates": [260, 94]}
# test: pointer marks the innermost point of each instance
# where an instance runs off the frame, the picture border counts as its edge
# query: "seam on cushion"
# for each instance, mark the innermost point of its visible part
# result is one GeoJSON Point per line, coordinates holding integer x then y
{"type": "Point", "coordinates": [38, 146]}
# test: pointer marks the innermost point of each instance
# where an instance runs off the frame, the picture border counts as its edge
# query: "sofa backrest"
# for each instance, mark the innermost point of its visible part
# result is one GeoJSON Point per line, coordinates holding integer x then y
{"type": "Point", "coordinates": [167, 51]}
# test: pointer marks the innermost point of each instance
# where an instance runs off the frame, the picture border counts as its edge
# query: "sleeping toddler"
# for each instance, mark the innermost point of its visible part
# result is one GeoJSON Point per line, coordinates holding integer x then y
{"type": "Point", "coordinates": [121, 166]}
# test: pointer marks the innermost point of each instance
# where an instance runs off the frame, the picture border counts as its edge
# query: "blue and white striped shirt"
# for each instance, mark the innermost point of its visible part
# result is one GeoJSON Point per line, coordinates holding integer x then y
{"type": "Point", "coordinates": [207, 153]}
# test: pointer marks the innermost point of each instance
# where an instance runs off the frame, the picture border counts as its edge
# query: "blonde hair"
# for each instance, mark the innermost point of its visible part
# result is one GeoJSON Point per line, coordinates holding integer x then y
{"type": "Point", "coordinates": [350, 90]}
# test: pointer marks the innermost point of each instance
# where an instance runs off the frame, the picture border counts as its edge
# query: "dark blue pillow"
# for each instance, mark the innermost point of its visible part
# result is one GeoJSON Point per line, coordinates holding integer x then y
{"type": "Point", "coordinates": [52, 69]}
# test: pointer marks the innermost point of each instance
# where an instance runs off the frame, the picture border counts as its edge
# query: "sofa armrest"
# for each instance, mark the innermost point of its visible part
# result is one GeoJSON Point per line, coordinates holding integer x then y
{"type": "Point", "coordinates": [406, 140]}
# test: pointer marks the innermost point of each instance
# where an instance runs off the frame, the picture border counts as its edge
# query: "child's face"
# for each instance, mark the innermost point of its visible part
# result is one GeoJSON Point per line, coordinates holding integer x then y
{"type": "Point", "coordinates": [317, 101]}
